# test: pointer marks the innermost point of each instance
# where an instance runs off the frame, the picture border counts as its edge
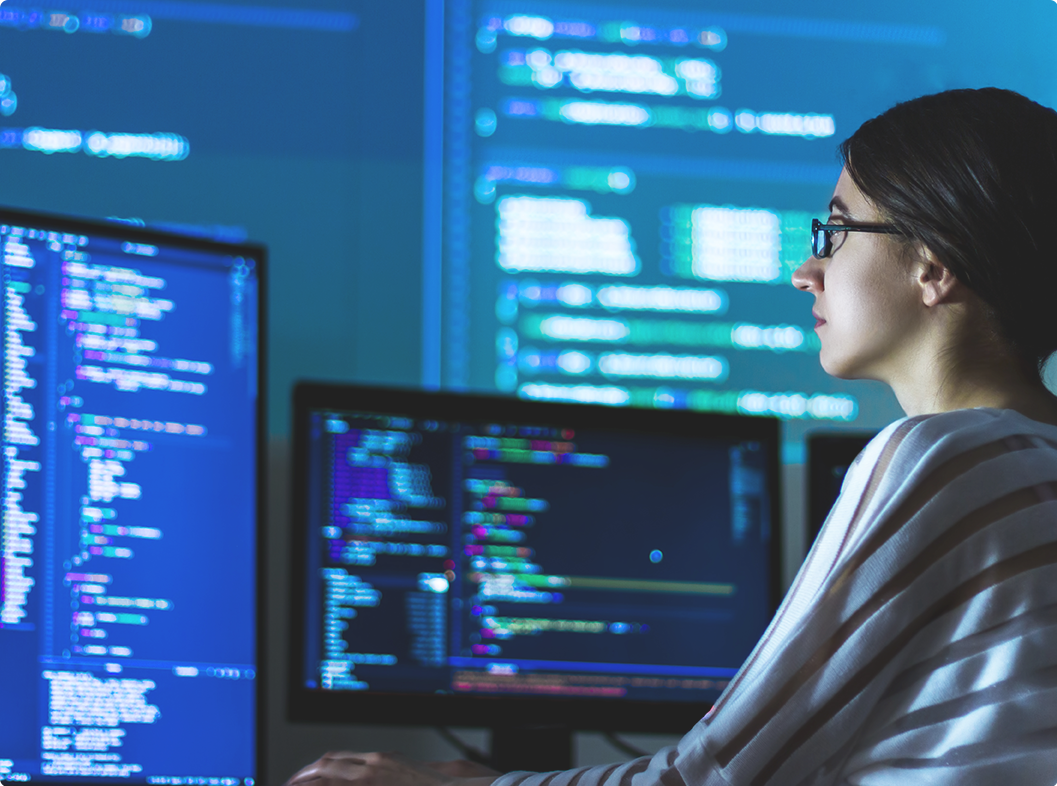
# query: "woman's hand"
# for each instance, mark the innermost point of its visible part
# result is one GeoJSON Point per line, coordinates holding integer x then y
{"type": "Point", "coordinates": [389, 769]}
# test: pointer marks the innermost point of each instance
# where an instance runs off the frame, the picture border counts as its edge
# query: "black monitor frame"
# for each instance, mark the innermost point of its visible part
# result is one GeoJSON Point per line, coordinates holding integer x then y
{"type": "Point", "coordinates": [351, 707]}
{"type": "Point", "coordinates": [259, 253]}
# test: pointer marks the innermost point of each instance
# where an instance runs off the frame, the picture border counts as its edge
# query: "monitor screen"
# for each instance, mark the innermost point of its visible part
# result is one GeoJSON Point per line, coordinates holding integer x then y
{"type": "Point", "coordinates": [128, 576]}
{"type": "Point", "coordinates": [450, 549]}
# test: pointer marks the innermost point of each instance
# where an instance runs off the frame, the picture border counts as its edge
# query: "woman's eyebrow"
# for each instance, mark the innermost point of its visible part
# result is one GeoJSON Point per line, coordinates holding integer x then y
{"type": "Point", "coordinates": [837, 204]}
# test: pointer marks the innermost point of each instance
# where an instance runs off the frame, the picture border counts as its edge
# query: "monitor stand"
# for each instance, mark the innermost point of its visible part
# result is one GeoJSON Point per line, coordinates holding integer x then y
{"type": "Point", "coordinates": [533, 748]}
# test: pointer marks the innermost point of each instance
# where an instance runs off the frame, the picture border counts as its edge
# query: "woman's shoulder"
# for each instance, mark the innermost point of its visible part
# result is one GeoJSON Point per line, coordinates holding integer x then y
{"type": "Point", "coordinates": [970, 456]}
{"type": "Point", "coordinates": [927, 439]}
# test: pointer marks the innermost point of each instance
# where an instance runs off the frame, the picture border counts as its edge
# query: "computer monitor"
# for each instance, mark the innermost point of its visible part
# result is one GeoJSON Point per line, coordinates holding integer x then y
{"type": "Point", "coordinates": [483, 561]}
{"type": "Point", "coordinates": [829, 456]}
{"type": "Point", "coordinates": [131, 414]}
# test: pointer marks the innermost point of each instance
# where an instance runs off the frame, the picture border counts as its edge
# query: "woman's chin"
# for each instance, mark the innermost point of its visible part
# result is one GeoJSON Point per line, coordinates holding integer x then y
{"type": "Point", "coordinates": [836, 367]}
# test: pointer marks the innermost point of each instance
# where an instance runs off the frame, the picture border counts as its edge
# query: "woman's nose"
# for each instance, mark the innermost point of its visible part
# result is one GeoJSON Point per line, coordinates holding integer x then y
{"type": "Point", "coordinates": [808, 277]}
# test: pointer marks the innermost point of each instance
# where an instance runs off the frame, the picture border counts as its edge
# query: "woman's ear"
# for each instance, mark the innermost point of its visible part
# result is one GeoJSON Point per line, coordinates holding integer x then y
{"type": "Point", "coordinates": [938, 284]}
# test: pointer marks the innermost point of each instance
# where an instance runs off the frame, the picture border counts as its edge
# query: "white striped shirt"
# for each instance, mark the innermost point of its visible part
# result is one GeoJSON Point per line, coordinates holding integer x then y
{"type": "Point", "coordinates": [918, 643]}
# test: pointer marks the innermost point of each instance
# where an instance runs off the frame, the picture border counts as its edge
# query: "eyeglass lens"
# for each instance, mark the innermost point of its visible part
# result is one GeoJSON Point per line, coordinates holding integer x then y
{"type": "Point", "coordinates": [820, 240]}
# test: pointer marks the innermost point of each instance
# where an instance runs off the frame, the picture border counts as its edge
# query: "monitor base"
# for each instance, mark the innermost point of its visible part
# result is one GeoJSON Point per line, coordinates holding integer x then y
{"type": "Point", "coordinates": [533, 748]}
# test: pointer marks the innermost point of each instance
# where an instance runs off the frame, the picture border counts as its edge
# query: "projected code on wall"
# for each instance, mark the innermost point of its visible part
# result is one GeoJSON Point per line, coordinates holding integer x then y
{"type": "Point", "coordinates": [127, 20]}
{"type": "Point", "coordinates": [628, 193]}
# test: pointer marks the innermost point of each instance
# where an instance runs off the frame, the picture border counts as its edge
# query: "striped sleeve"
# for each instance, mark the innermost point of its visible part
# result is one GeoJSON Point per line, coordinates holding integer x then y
{"type": "Point", "coordinates": [918, 643]}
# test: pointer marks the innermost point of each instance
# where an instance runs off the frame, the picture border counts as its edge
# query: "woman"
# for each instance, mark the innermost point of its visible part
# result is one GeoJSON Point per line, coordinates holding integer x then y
{"type": "Point", "coordinates": [919, 641]}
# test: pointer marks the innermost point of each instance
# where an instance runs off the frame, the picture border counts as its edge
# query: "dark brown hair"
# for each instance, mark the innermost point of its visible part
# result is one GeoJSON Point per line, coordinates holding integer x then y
{"type": "Point", "coordinates": [972, 174]}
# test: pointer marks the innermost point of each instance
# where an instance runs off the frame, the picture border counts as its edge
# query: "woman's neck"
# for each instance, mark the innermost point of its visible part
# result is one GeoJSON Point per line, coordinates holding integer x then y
{"type": "Point", "coordinates": [1000, 381]}
{"type": "Point", "coordinates": [962, 361]}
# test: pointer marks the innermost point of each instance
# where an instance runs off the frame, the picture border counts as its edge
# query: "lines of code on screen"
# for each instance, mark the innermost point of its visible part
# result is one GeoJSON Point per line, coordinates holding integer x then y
{"type": "Point", "coordinates": [629, 187]}
{"type": "Point", "coordinates": [127, 640]}
{"type": "Point", "coordinates": [532, 560]}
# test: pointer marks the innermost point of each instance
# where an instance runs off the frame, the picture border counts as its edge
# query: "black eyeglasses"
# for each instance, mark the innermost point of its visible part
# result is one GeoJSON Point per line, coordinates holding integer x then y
{"type": "Point", "coordinates": [822, 243]}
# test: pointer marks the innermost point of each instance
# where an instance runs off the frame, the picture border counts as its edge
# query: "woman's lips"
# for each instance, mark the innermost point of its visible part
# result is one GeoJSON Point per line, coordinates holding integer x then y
{"type": "Point", "coordinates": [819, 321]}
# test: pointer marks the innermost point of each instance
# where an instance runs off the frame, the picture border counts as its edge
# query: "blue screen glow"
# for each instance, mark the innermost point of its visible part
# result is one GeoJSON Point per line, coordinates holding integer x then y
{"type": "Point", "coordinates": [128, 571]}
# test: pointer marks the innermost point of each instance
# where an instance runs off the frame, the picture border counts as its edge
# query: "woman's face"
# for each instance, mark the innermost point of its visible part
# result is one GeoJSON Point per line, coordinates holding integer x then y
{"type": "Point", "coordinates": [868, 303]}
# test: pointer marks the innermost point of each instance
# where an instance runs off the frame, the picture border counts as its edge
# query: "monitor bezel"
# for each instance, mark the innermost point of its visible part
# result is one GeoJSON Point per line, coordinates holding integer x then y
{"type": "Point", "coordinates": [353, 707]}
{"type": "Point", "coordinates": [259, 252]}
